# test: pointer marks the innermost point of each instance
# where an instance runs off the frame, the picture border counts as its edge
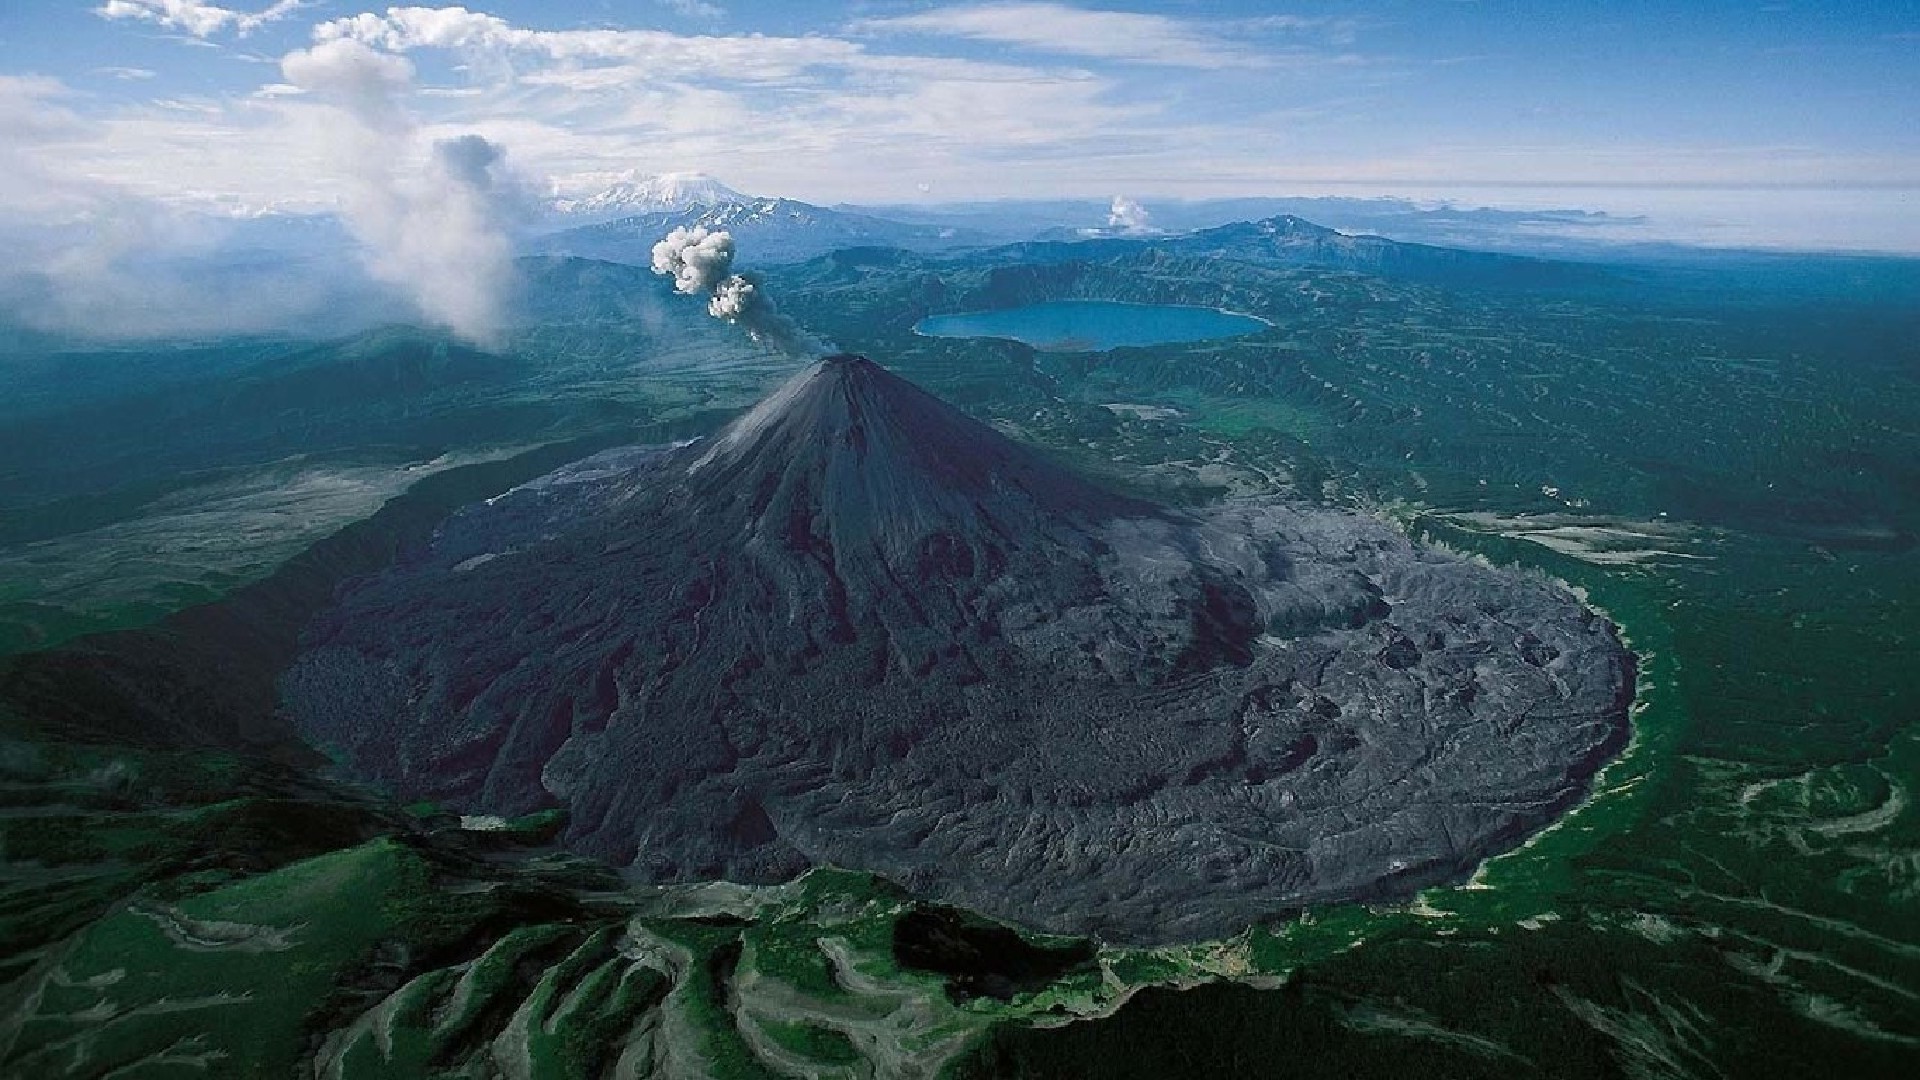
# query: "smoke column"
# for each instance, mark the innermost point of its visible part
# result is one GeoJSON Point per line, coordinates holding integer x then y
{"type": "Point", "coordinates": [433, 232]}
{"type": "Point", "coordinates": [696, 260]}
{"type": "Point", "coordinates": [700, 262]}
{"type": "Point", "coordinates": [1129, 217]}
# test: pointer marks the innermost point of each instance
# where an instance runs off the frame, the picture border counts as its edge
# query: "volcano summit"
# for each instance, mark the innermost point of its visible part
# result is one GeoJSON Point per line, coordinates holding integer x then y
{"type": "Point", "coordinates": [860, 628]}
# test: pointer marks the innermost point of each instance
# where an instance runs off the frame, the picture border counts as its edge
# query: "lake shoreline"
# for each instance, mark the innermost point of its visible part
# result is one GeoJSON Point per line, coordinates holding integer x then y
{"type": "Point", "coordinates": [1068, 337]}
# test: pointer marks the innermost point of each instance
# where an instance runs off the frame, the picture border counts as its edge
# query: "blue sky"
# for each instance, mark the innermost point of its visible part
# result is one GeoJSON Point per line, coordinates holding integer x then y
{"type": "Point", "coordinates": [193, 103]}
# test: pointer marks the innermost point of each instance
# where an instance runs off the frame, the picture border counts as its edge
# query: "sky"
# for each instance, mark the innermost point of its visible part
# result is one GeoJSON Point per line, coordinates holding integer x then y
{"type": "Point", "coordinates": [1808, 109]}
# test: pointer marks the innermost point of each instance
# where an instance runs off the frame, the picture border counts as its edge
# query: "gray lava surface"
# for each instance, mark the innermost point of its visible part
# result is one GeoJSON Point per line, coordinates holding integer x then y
{"type": "Point", "coordinates": [859, 628]}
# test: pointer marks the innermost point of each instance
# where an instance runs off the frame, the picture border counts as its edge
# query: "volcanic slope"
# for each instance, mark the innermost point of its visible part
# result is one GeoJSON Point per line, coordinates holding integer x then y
{"type": "Point", "coordinates": [859, 628]}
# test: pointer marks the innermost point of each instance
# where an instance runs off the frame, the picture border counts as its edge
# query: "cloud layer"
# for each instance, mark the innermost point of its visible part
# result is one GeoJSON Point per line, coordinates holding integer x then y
{"type": "Point", "coordinates": [903, 102]}
{"type": "Point", "coordinates": [196, 18]}
{"type": "Point", "coordinates": [952, 101]}
{"type": "Point", "coordinates": [1063, 29]}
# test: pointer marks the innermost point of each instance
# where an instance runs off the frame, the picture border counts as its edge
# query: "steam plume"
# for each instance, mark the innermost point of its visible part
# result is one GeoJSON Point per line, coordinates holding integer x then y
{"type": "Point", "coordinates": [700, 262]}
{"type": "Point", "coordinates": [1129, 217]}
{"type": "Point", "coordinates": [434, 232]}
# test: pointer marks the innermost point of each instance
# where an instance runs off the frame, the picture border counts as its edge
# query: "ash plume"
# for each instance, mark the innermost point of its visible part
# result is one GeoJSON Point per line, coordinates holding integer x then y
{"type": "Point", "coordinates": [732, 298]}
{"type": "Point", "coordinates": [700, 262]}
{"type": "Point", "coordinates": [696, 260]}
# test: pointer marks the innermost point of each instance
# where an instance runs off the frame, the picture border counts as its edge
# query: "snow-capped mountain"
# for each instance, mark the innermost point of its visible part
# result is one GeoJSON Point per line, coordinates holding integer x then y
{"type": "Point", "coordinates": [637, 194]}
{"type": "Point", "coordinates": [766, 230]}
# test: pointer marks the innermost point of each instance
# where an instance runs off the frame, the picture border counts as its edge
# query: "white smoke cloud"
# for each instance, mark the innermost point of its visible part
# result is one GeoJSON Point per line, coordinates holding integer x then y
{"type": "Point", "coordinates": [733, 298]}
{"type": "Point", "coordinates": [700, 262]}
{"type": "Point", "coordinates": [694, 258]}
{"type": "Point", "coordinates": [1129, 217]}
{"type": "Point", "coordinates": [434, 231]}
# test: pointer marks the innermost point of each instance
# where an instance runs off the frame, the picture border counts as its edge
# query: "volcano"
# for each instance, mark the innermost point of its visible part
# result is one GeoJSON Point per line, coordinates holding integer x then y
{"type": "Point", "coordinates": [859, 628]}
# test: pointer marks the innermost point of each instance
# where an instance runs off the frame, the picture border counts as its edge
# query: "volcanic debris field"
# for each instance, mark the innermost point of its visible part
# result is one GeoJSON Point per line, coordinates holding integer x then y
{"type": "Point", "coordinates": [858, 628]}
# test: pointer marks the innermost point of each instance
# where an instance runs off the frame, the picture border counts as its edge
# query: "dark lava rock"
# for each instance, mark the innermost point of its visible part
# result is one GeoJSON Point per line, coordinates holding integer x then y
{"type": "Point", "coordinates": [859, 628]}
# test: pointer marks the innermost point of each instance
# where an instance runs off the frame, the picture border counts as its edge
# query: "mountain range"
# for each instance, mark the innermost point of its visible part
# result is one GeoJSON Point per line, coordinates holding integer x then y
{"type": "Point", "coordinates": [765, 230]}
{"type": "Point", "coordinates": [630, 216]}
{"type": "Point", "coordinates": [1286, 240]}
{"type": "Point", "coordinates": [636, 193]}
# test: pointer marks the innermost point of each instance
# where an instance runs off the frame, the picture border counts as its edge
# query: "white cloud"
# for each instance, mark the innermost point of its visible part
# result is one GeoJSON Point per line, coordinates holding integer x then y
{"type": "Point", "coordinates": [30, 109]}
{"type": "Point", "coordinates": [694, 9]}
{"type": "Point", "coordinates": [767, 110]}
{"type": "Point", "coordinates": [368, 82]}
{"type": "Point", "coordinates": [199, 19]}
{"type": "Point", "coordinates": [1071, 31]}
{"type": "Point", "coordinates": [36, 129]}
{"type": "Point", "coordinates": [661, 54]}
{"type": "Point", "coordinates": [89, 253]}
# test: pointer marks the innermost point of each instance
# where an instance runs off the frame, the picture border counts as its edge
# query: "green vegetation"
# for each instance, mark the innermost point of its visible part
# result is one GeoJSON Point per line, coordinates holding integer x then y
{"type": "Point", "coordinates": [1730, 478]}
{"type": "Point", "coordinates": [1727, 473]}
{"type": "Point", "coordinates": [244, 959]}
{"type": "Point", "coordinates": [812, 1042]}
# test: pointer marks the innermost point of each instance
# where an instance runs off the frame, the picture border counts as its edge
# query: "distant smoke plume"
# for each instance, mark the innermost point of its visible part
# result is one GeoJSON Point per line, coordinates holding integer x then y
{"type": "Point", "coordinates": [733, 298]}
{"type": "Point", "coordinates": [701, 264]}
{"type": "Point", "coordinates": [435, 232]}
{"type": "Point", "coordinates": [469, 160]}
{"type": "Point", "coordinates": [1130, 217]}
{"type": "Point", "coordinates": [696, 260]}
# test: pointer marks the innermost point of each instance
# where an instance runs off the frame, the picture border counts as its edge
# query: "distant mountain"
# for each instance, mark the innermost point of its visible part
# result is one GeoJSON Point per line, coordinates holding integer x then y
{"type": "Point", "coordinates": [622, 223]}
{"type": "Point", "coordinates": [1528, 232]}
{"type": "Point", "coordinates": [766, 230]}
{"type": "Point", "coordinates": [666, 193]}
{"type": "Point", "coordinates": [1290, 240]}
{"type": "Point", "coordinates": [1008, 220]}
{"type": "Point", "coordinates": [1588, 234]}
{"type": "Point", "coordinates": [1287, 240]}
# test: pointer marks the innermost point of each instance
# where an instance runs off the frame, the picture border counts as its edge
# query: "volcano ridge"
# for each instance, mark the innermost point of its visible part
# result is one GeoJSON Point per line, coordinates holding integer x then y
{"type": "Point", "coordinates": [860, 628]}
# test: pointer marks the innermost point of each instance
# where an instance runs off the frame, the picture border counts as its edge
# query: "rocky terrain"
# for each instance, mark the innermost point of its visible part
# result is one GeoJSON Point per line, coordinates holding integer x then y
{"type": "Point", "coordinates": [858, 628]}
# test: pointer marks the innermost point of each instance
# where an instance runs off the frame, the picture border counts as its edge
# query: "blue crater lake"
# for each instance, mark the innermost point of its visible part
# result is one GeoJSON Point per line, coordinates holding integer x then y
{"type": "Point", "coordinates": [1093, 325]}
